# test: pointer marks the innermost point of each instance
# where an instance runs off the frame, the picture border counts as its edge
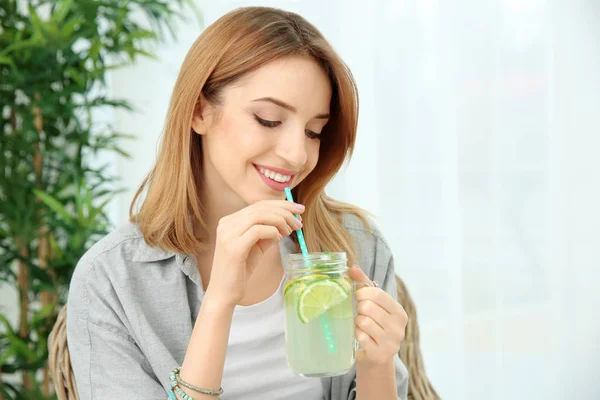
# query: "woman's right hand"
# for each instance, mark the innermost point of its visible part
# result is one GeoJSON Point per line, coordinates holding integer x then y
{"type": "Point", "coordinates": [241, 242]}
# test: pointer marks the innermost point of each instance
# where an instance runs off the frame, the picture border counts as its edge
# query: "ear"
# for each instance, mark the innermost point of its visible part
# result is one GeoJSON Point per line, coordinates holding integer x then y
{"type": "Point", "coordinates": [202, 118]}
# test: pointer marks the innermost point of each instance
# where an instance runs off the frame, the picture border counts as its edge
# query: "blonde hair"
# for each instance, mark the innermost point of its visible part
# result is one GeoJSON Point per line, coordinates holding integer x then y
{"type": "Point", "coordinates": [239, 42]}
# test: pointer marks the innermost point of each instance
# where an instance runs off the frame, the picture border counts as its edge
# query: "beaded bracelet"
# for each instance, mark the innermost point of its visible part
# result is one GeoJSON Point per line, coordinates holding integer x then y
{"type": "Point", "coordinates": [176, 381]}
{"type": "Point", "coordinates": [175, 387]}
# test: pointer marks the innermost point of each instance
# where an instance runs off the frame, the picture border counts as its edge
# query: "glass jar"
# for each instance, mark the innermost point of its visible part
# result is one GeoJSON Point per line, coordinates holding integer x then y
{"type": "Point", "coordinates": [319, 314]}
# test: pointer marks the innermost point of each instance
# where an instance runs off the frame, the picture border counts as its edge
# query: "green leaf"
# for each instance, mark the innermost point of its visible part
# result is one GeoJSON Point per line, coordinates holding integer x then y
{"type": "Point", "coordinates": [7, 325]}
{"type": "Point", "coordinates": [7, 61]}
{"type": "Point", "coordinates": [99, 209]}
{"type": "Point", "coordinates": [42, 314]}
{"type": "Point", "coordinates": [34, 41]}
{"type": "Point", "coordinates": [62, 11]}
{"type": "Point", "coordinates": [53, 204]}
{"type": "Point", "coordinates": [69, 27]}
{"type": "Point", "coordinates": [142, 34]}
{"type": "Point", "coordinates": [38, 25]}
{"type": "Point", "coordinates": [57, 250]}
{"type": "Point", "coordinates": [76, 75]}
{"type": "Point", "coordinates": [7, 355]}
{"type": "Point", "coordinates": [121, 152]}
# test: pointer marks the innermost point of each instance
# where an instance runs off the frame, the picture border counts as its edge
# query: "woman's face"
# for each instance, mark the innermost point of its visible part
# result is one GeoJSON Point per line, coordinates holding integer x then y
{"type": "Point", "coordinates": [264, 136]}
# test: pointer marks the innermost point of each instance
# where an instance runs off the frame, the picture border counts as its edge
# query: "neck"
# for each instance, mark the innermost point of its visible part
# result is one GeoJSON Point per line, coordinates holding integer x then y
{"type": "Point", "coordinates": [217, 200]}
{"type": "Point", "coordinates": [217, 204]}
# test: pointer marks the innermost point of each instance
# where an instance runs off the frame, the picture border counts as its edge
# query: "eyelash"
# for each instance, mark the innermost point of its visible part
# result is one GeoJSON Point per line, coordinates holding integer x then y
{"type": "Point", "coordinates": [274, 124]}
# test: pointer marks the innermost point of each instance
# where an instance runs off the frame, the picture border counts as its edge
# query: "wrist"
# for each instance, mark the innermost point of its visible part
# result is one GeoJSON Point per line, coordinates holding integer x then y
{"type": "Point", "coordinates": [376, 369]}
{"type": "Point", "coordinates": [215, 302]}
{"type": "Point", "coordinates": [376, 380]}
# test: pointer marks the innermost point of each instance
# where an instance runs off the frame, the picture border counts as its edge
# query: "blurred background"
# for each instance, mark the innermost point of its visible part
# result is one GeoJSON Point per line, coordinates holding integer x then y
{"type": "Point", "coordinates": [478, 152]}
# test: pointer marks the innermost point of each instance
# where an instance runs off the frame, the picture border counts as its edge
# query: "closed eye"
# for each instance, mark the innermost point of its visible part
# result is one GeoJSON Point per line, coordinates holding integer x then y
{"type": "Point", "coordinates": [313, 135]}
{"type": "Point", "coordinates": [273, 124]}
{"type": "Point", "coordinates": [264, 122]}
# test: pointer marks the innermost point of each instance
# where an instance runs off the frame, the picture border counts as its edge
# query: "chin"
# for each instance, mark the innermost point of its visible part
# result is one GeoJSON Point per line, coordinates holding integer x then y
{"type": "Point", "coordinates": [263, 192]}
{"type": "Point", "coordinates": [265, 195]}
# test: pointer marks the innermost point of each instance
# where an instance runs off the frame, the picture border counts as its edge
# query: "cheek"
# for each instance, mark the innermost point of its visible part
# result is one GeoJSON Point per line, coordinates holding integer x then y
{"type": "Point", "coordinates": [312, 154]}
{"type": "Point", "coordinates": [229, 128]}
{"type": "Point", "coordinates": [235, 135]}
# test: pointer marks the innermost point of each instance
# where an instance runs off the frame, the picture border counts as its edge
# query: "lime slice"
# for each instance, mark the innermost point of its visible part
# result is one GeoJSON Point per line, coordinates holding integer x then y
{"type": "Point", "coordinates": [343, 310]}
{"type": "Point", "coordinates": [318, 297]}
{"type": "Point", "coordinates": [299, 283]}
{"type": "Point", "coordinates": [346, 283]}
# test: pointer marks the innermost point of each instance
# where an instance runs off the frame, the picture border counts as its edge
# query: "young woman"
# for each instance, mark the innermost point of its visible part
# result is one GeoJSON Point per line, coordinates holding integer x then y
{"type": "Point", "coordinates": [195, 280]}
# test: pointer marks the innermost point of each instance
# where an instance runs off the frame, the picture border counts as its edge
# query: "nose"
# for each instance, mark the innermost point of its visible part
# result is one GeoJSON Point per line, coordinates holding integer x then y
{"type": "Point", "coordinates": [291, 147]}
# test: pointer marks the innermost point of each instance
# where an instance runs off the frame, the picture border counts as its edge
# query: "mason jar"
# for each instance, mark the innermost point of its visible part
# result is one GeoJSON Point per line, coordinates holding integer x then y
{"type": "Point", "coordinates": [319, 314]}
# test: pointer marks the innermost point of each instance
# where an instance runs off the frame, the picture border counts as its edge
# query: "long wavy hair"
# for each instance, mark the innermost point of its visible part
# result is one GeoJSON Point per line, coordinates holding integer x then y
{"type": "Point", "coordinates": [236, 44]}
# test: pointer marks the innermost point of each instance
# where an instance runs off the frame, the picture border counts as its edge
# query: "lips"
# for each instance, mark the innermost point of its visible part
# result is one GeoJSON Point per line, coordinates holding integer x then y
{"type": "Point", "coordinates": [276, 178]}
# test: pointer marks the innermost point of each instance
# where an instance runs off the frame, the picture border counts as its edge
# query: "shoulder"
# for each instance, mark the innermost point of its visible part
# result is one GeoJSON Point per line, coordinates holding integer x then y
{"type": "Point", "coordinates": [373, 251]}
{"type": "Point", "coordinates": [120, 238]}
{"type": "Point", "coordinates": [119, 258]}
{"type": "Point", "coordinates": [124, 245]}
{"type": "Point", "coordinates": [367, 228]}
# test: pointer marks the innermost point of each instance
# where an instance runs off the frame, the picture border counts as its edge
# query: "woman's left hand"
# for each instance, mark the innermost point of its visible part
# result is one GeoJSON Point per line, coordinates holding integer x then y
{"type": "Point", "coordinates": [380, 322]}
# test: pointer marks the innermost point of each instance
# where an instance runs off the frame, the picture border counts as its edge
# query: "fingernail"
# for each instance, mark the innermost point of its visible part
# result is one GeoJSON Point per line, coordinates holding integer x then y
{"type": "Point", "coordinates": [300, 207]}
{"type": "Point", "coordinates": [298, 224]}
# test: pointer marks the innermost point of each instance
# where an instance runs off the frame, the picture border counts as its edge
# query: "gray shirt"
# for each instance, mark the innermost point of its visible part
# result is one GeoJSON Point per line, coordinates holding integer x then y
{"type": "Point", "coordinates": [132, 307]}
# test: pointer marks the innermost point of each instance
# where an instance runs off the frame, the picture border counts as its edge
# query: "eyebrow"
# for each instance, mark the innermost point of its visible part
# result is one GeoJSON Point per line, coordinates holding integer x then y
{"type": "Point", "coordinates": [287, 106]}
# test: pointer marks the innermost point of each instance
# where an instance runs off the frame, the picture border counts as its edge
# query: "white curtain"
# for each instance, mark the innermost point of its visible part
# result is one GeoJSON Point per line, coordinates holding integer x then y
{"type": "Point", "coordinates": [478, 152]}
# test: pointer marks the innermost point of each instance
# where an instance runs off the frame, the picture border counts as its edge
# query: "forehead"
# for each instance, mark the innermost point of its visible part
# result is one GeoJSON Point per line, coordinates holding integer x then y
{"type": "Point", "coordinates": [298, 81]}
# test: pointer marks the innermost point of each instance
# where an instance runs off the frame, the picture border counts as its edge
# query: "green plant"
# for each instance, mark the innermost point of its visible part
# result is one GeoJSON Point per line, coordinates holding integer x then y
{"type": "Point", "coordinates": [54, 59]}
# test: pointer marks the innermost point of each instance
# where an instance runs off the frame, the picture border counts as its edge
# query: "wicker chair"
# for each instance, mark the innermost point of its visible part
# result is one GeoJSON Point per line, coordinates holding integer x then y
{"type": "Point", "coordinates": [59, 361]}
{"type": "Point", "coordinates": [419, 387]}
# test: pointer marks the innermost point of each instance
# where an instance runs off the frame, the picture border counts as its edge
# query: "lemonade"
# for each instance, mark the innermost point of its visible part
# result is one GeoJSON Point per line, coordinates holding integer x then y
{"type": "Point", "coordinates": [319, 315]}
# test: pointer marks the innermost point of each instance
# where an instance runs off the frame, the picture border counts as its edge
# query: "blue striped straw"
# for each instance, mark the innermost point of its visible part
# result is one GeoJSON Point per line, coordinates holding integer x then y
{"type": "Point", "coordinates": [325, 323]}
{"type": "Point", "coordinates": [303, 248]}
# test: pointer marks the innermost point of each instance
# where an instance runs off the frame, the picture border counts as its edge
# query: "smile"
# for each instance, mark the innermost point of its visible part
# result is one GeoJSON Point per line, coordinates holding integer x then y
{"type": "Point", "coordinates": [274, 177]}
{"type": "Point", "coordinates": [277, 177]}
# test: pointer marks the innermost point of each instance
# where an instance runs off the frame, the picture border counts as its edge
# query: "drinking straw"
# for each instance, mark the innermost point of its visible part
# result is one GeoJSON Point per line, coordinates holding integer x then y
{"type": "Point", "coordinates": [328, 333]}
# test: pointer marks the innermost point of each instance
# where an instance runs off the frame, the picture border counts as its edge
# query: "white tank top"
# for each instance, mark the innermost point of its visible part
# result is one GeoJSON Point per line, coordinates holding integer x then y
{"type": "Point", "coordinates": [256, 365]}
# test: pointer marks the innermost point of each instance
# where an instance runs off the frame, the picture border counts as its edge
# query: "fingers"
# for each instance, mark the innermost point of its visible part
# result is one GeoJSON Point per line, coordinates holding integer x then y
{"type": "Point", "coordinates": [371, 328]}
{"type": "Point", "coordinates": [379, 340]}
{"type": "Point", "coordinates": [294, 208]}
{"type": "Point", "coordinates": [357, 275]}
{"type": "Point", "coordinates": [365, 340]}
{"type": "Point", "coordinates": [283, 220]}
{"type": "Point", "coordinates": [370, 309]}
{"type": "Point", "coordinates": [292, 222]}
{"type": "Point", "coordinates": [259, 232]}
{"type": "Point", "coordinates": [383, 327]}
{"type": "Point", "coordinates": [279, 214]}
{"type": "Point", "coordinates": [381, 298]}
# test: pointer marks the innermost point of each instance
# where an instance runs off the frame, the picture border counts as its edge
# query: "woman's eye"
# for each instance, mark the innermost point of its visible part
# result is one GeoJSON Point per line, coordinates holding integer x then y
{"type": "Point", "coordinates": [313, 135]}
{"type": "Point", "coordinates": [272, 124]}
{"type": "Point", "coordinates": [264, 122]}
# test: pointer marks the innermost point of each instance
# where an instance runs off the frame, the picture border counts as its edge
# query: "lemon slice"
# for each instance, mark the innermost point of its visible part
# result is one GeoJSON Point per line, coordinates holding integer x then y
{"type": "Point", "coordinates": [318, 297]}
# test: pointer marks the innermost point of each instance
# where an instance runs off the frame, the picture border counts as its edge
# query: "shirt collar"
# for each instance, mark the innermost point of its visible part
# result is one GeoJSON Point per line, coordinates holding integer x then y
{"type": "Point", "coordinates": [147, 253]}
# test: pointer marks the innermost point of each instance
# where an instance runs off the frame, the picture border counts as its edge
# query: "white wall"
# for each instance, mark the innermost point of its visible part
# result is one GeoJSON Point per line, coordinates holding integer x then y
{"type": "Point", "coordinates": [574, 128]}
